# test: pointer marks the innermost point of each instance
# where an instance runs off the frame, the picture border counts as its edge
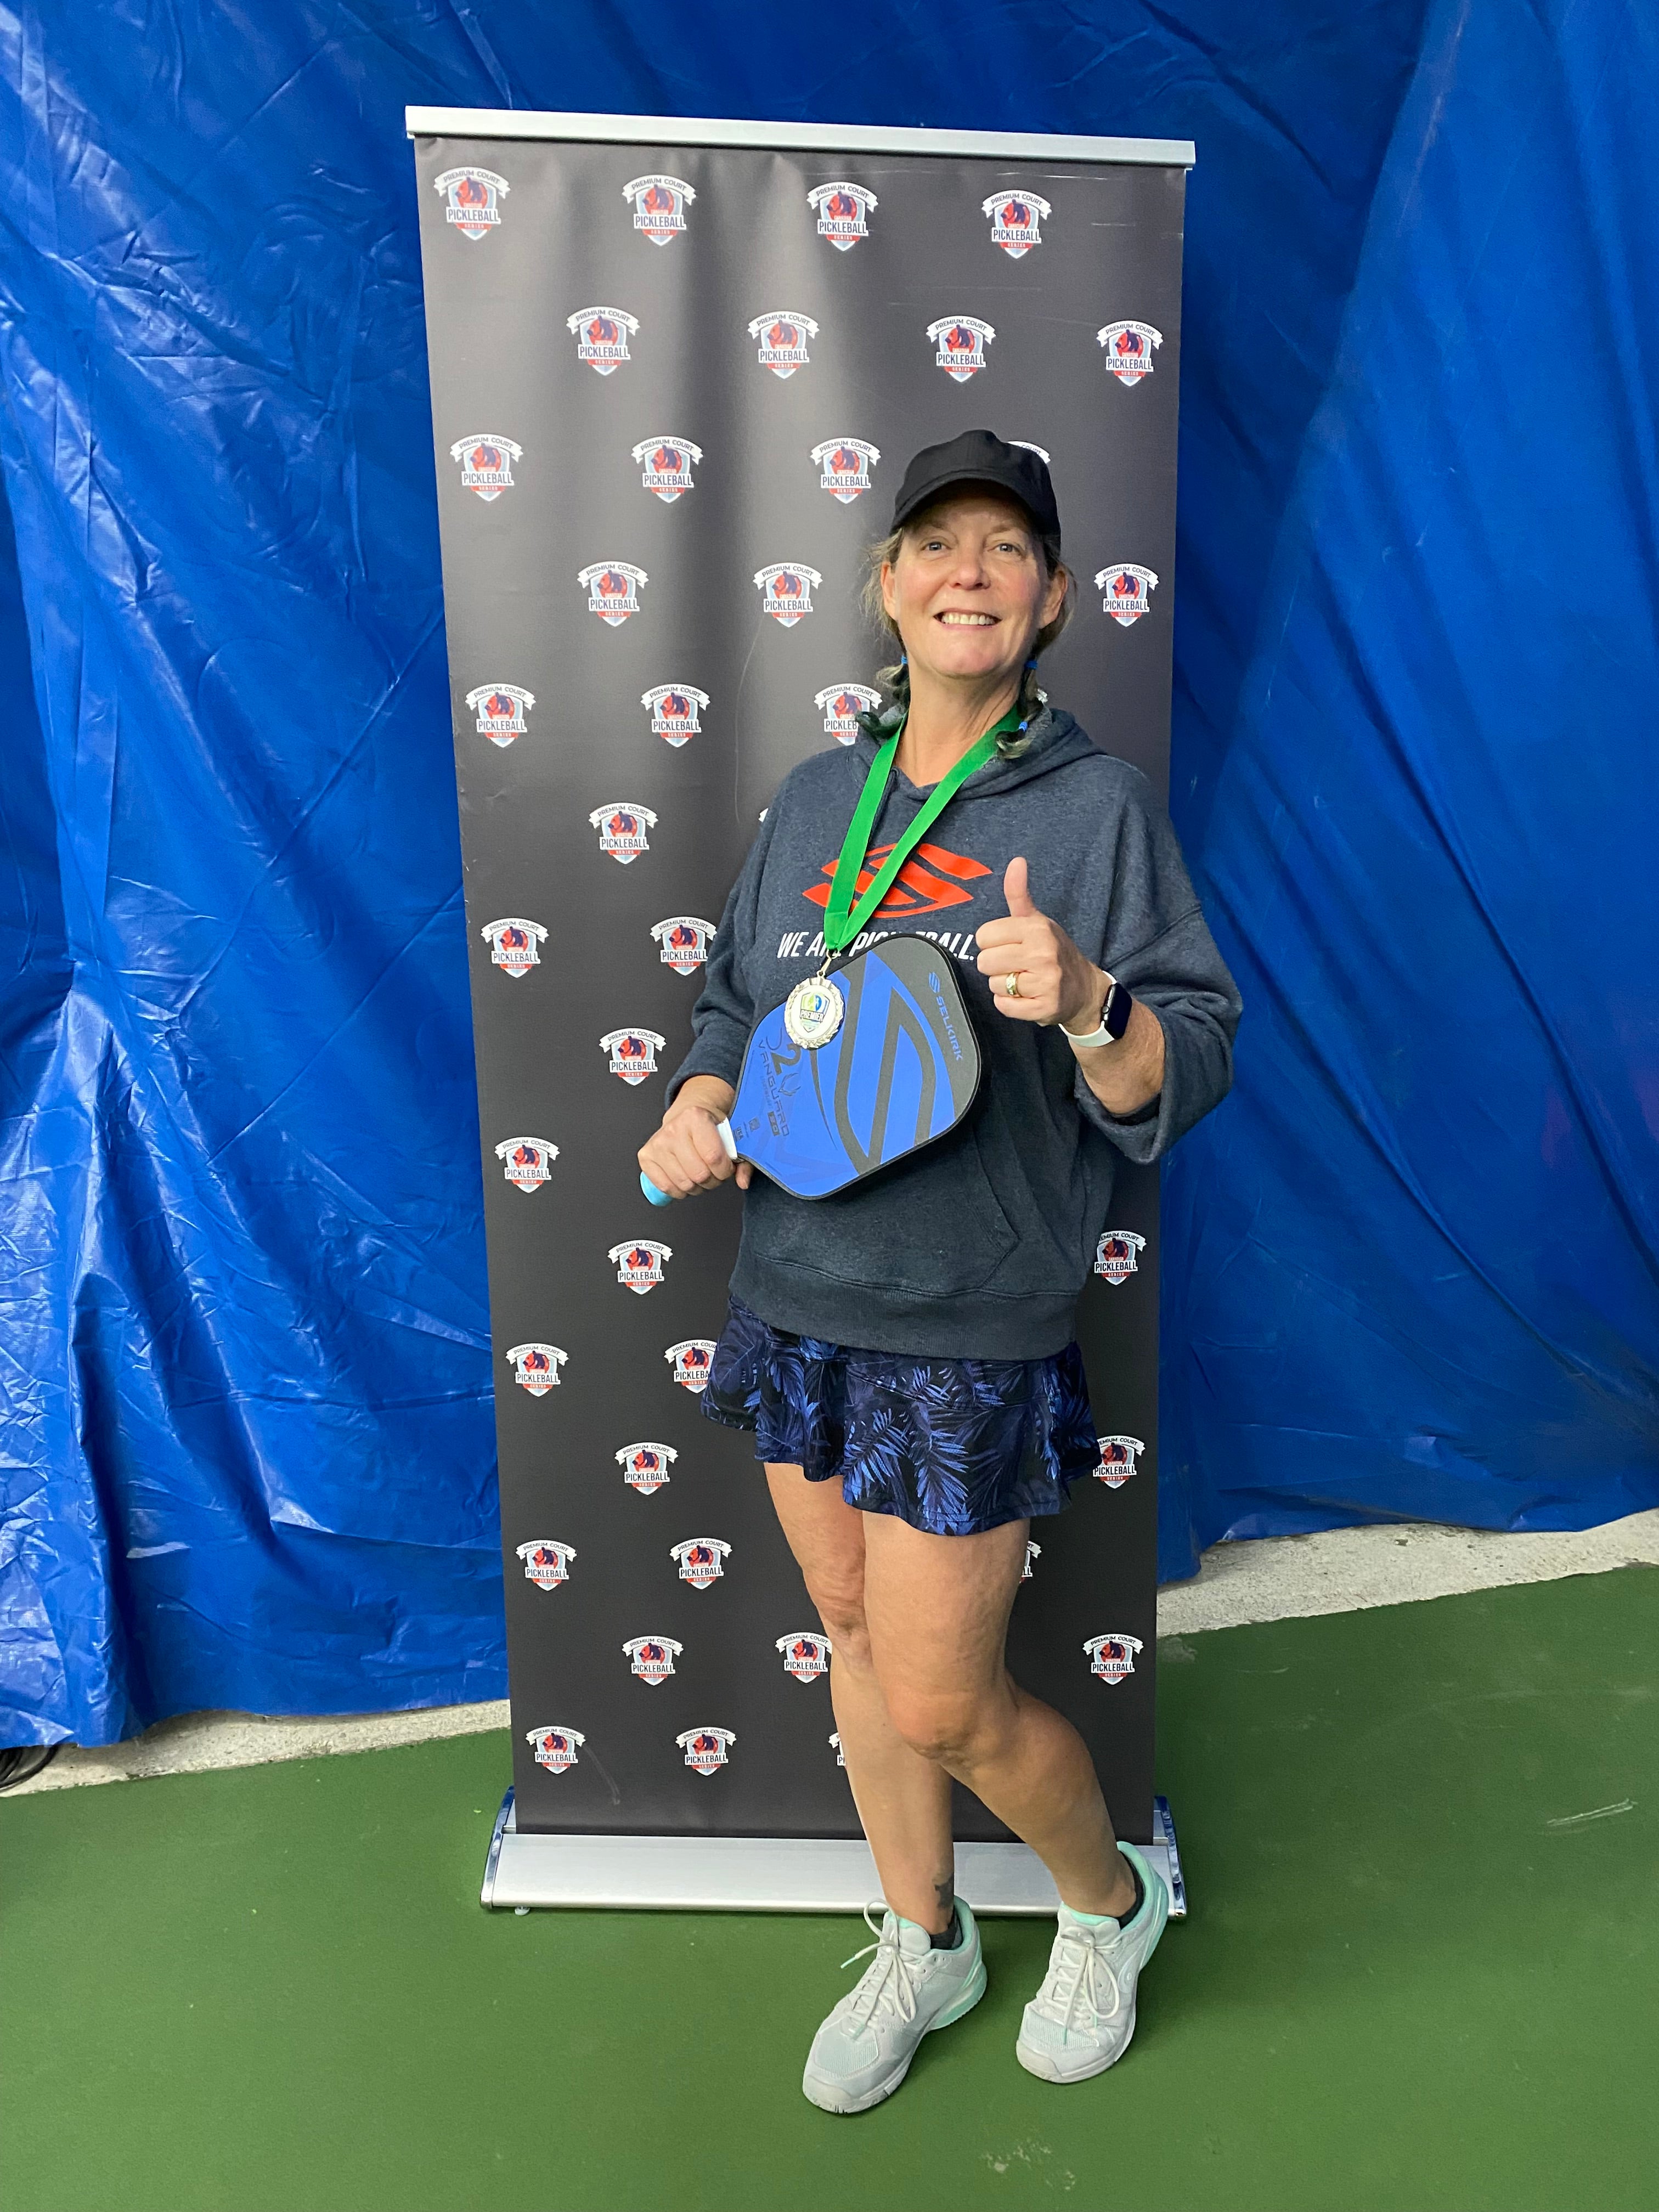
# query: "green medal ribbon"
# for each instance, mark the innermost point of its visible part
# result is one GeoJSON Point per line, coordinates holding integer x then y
{"type": "Point", "coordinates": [843, 920]}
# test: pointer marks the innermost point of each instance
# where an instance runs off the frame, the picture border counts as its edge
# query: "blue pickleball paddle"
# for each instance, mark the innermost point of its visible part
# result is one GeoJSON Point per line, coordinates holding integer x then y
{"type": "Point", "coordinates": [900, 1071]}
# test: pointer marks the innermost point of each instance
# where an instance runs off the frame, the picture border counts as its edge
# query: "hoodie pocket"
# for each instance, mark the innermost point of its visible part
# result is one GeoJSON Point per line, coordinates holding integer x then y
{"type": "Point", "coordinates": [931, 1228]}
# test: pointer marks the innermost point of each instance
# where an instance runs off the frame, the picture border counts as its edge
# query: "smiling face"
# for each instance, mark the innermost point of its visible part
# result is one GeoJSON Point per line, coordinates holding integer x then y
{"type": "Point", "coordinates": [970, 589]}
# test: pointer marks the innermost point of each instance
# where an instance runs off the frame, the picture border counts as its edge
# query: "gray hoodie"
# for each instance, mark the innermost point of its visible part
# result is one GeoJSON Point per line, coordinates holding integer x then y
{"type": "Point", "coordinates": [978, 1246]}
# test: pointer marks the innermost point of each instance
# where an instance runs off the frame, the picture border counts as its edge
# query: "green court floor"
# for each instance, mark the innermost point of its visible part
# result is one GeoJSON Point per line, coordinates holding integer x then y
{"type": "Point", "coordinates": [1421, 1971]}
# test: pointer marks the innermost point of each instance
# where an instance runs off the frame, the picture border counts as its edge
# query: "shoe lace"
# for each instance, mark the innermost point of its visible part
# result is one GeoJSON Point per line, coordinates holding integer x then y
{"type": "Point", "coordinates": [1080, 1974]}
{"type": "Point", "coordinates": [887, 1980]}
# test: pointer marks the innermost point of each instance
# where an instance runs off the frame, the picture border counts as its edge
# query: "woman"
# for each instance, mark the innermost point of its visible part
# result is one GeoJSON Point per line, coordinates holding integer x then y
{"type": "Point", "coordinates": [903, 1351]}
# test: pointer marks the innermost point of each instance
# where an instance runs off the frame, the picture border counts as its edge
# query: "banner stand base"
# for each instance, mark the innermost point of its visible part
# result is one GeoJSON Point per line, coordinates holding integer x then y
{"type": "Point", "coordinates": [761, 1873]}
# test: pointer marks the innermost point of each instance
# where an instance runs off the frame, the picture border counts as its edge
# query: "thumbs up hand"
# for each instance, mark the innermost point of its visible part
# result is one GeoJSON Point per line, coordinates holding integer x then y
{"type": "Point", "coordinates": [1036, 973]}
{"type": "Point", "coordinates": [1016, 890]}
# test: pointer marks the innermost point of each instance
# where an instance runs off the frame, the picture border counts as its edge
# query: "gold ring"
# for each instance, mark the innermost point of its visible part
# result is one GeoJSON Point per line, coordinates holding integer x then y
{"type": "Point", "coordinates": [1010, 985]}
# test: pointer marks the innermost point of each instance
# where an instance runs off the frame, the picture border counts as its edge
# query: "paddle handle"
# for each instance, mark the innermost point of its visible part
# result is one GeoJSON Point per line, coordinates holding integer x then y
{"type": "Point", "coordinates": [729, 1144]}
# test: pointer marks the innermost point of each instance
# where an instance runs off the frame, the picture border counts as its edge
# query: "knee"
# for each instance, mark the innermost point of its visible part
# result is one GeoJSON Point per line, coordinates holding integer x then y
{"type": "Point", "coordinates": [952, 1731]}
{"type": "Point", "coordinates": [839, 1603]}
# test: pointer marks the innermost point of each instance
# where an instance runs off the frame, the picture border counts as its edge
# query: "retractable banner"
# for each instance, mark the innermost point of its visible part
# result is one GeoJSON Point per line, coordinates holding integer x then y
{"type": "Point", "coordinates": [675, 382]}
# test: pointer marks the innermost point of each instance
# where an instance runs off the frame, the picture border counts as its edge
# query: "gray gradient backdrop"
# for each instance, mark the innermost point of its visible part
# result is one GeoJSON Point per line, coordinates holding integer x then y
{"type": "Point", "coordinates": [502, 360]}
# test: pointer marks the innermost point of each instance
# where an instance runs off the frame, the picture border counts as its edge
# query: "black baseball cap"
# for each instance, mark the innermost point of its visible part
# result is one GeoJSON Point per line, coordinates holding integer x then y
{"type": "Point", "coordinates": [979, 457]}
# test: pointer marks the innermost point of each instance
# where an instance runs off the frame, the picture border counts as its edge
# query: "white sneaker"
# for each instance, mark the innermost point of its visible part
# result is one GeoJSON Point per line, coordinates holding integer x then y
{"type": "Point", "coordinates": [863, 2050]}
{"type": "Point", "coordinates": [1081, 2020]}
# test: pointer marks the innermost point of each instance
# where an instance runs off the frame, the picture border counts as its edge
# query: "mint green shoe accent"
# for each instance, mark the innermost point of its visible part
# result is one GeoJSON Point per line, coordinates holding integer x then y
{"type": "Point", "coordinates": [1079, 2022]}
{"type": "Point", "coordinates": [863, 2050]}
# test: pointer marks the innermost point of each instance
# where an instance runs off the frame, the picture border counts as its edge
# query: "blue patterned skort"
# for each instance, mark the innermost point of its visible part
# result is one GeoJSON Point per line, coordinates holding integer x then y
{"type": "Point", "coordinates": [952, 1446]}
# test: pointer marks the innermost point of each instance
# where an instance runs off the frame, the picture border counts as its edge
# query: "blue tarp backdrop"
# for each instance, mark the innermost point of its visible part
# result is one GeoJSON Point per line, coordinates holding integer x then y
{"type": "Point", "coordinates": [245, 1426]}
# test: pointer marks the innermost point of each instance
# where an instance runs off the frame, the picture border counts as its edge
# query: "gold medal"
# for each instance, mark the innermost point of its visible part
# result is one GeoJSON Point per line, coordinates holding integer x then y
{"type": "Point", "coordinates": [812, 1012]}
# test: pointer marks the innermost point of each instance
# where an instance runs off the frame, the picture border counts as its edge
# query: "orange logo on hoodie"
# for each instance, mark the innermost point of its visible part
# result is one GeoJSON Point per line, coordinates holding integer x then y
{"type": "Point", "coordinates": [932, 878]}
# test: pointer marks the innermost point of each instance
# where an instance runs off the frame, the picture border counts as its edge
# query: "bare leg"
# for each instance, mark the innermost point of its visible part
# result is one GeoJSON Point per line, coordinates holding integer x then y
{"type": "Point", "coordinates": [937, 1609]}
{"type": "Point", "coordinates": [903, 1799]}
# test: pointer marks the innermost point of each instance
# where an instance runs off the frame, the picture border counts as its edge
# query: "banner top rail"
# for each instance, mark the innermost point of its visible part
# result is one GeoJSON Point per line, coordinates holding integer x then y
{"type": "Point", "coordinates": [804, 138]}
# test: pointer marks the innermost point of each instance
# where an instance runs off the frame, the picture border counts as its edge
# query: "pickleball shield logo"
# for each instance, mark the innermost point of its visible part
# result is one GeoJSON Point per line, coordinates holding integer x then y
{"type": "Point", "coordinates": [525, 1161]}
{"type": "Point", "coordinates": [652, 1657]}
{"type": "Point", "coordinates": [844, 466]}
{"type": "Point", "coordinates": [843, 212]}
{"type": "Point", "coordinates": [806, 1655]}
{"type": "Point", "coordinates": [602, 336]}
{"type": "Point", "coordinates": [639, 1266]}
{"type": "Point", "coordinates": [512, 943]}
{"type": "Point", "coordinates": [674, 711]}
{"type": "Point", "coordinates": [665, 466]}
{"type": "Point", "coordinates": [535, 1367]}
{"type": "Point", "coordinates": [546, 1563]}
{"type": "Point", "coordinates": [1118, 1460]}
{"type": "Point", "coordinates": [842, 706]}
{"type": "Point", "coordinates": [1128, 347]}
{"type": "Point", "coordinates": [658, 205]}
{"type": "Point", "coordinates": [701, 1559]}
{"type": "Point", "coordinates": [486, 460]}
{"type": "Point", "coordinates": [1112, 1657]}
{"type": "Point", "coordinates": [691, 1360]}
{"type": "Point", "coordinates": [633, 1053]}
{"type": "Point", "coordinates": [555, 1747]}
{"type": "Point", "coordinates": [682, 939]}
{"type": "Point", "coordinates": [785, 588]}
{"type": "Point", "coordinates": [1116, 1254]}
{"type": "Point", "coordinates": [961, 340]}
{"type": "Point", "coordinates": [613, 589]}
{"type": "Point", "coordinates": [1017, 220]}
{"type": "Point", "coordinates": [623, 826]}
{"type": "Point", "coordinates": [780, 337]}
{"type": "Point", "coordinates": [472, 198]}
{"type": "Point", "coordinates": [500, 709]}
{"type": "Point", "coordinates": [705, 1749]}
{"type": "Point", "coordinates": [1128, 588]}
{"type": "Point", "coordinates": [645, 1466]}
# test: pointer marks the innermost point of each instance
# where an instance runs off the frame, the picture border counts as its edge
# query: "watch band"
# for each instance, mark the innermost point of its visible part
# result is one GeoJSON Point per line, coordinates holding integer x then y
{"type": "Point", "coordinates": [1114, 1017]}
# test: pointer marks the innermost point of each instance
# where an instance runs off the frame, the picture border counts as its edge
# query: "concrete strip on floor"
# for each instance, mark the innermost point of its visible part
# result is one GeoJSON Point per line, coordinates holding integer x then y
{"type": "Point", "coordinates": [1268, 1578]}
{"type": "Point", "coordinates": [197, 1743]}
{"type": "Point", "coordinates": [1350, 1570]}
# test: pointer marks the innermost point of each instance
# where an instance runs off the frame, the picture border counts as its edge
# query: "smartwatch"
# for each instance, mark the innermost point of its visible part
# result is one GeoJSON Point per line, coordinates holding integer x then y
{"type": "Point", "coordinates": [1114, 1017]}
